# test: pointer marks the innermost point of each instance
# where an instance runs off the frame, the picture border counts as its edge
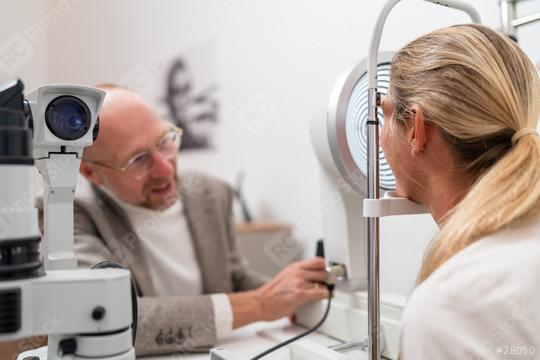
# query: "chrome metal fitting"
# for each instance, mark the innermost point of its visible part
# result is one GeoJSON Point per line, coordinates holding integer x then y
{"type": "Point", "coordinates": [334, 272]}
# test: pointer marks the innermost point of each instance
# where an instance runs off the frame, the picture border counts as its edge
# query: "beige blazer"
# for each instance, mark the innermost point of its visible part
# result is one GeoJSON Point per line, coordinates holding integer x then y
{"type": "Point", "coordinates": [168, 324]}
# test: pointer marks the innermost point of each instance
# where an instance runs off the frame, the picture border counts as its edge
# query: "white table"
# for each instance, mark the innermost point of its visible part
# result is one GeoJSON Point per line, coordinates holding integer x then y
{"type": "Point", "coordinates": [243, 343]}
{"type": "Point", "coordinates": [253, 339]}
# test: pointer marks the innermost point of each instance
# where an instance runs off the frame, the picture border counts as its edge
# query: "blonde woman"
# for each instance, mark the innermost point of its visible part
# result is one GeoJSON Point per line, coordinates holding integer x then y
{"type": "Point", "coordinates": [460, 136]}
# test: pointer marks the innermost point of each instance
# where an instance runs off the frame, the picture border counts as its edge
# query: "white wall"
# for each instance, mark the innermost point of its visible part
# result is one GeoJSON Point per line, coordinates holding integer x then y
{"type": "Point", "coordinates": [23, 41]}
{"type": "Point", "coordinates": [276, 59]}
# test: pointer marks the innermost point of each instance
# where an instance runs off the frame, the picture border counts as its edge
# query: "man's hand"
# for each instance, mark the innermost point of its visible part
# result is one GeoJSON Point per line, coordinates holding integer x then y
{"type": "Point", "coordinates": [296, 285]}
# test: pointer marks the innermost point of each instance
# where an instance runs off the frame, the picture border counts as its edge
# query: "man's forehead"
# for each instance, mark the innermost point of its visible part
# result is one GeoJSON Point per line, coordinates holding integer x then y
{"type": "Point", "coordinates": [127, 123]}
{"type": "Point", "coordinates": [121, 100]}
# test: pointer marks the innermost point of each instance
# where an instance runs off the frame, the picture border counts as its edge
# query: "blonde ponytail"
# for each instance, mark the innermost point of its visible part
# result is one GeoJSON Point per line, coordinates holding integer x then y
{"type": "Point", "coordinates": [480, 89]}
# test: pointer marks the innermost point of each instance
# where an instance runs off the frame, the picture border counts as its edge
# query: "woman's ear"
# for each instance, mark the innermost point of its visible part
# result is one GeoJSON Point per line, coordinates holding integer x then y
{"type": "Point", "coordinates": [88, 171]}
{"type": "Point", "coordinates": [387, 107]}
{"type": "Point", "coordinates": [417, 131]}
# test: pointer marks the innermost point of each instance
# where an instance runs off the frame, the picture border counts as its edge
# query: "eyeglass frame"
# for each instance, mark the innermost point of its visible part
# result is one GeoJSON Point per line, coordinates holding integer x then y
{"type": "Point", "coordinates": [124, 169]}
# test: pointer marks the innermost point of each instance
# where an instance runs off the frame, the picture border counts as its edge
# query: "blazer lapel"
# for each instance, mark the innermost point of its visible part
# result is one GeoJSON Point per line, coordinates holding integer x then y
{"type": "Point", "coordinates": [206, 227]}
{"type": "Point", "coordinates": [126, 244]}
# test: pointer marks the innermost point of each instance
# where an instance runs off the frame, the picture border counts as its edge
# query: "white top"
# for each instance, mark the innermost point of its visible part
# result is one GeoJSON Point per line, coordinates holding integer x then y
{"type": "Point", "coordinates": [483, 303]}
{"type": "Point", "coordinates": [171, 258]}
{"type": "Point", "coordinates": [168, 247]}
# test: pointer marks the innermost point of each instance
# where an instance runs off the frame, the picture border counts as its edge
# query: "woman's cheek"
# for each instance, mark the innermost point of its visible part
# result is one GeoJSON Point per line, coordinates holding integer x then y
{"type": "Point", "coordinates": [392, 158]}
{"type": "Point", "coordinates": [386, 145]}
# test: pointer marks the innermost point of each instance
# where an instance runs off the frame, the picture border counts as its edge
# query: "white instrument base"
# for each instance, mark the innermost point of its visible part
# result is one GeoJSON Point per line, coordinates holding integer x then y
{"type": "Point", "coordinates": [347, 321]}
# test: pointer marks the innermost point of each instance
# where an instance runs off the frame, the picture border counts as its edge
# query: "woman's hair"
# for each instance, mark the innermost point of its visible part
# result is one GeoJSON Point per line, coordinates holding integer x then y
{"type": "Point", "coordinates": [478, 88]}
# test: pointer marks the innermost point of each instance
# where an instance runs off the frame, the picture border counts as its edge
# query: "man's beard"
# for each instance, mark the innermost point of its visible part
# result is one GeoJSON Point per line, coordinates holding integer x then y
{"type": "Point", "coordinates": [162, 202]}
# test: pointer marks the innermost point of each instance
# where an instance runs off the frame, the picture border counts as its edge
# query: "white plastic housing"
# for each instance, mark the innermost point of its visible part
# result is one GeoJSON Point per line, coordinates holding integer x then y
{"type": "Point", "coordinates": [342, 176]}
{"type": "Point", "coordinates": [39, 99]}
{"type": "Point", "coordinates": [62, 302]}
{"type": "Point", "coordinates": [18, 215]}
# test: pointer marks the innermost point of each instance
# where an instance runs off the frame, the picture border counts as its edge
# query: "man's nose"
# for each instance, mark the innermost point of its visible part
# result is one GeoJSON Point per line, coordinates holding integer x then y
{"type": "Point", "coordinates": [161, 165]}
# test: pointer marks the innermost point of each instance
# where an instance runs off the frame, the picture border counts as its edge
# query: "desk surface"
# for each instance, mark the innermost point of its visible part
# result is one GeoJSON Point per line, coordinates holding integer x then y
{"type": "Point", "coordinates": [243, 343]}
{"type": "Point", "coordinates": [254, 339]}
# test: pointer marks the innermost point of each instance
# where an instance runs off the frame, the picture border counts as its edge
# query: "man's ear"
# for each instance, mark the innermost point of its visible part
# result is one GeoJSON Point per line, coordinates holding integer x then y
{"type": "Point", "coordinates": [89, 172]}
{"type": "Point", "coordinates": [418, 131]}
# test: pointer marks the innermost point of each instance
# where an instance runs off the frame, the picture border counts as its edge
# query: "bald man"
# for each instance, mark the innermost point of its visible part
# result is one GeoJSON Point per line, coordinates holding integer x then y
{"type": "Point", "coordinates": [175, 234]}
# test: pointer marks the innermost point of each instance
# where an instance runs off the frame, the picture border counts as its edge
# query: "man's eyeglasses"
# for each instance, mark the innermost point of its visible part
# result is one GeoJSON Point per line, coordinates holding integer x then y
{"type": "Point", "coordinates": [140, 164]}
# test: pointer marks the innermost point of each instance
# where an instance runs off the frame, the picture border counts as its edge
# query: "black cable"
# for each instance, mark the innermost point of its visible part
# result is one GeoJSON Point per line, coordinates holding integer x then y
{"type": "Point", "coordinates": [299, 336]}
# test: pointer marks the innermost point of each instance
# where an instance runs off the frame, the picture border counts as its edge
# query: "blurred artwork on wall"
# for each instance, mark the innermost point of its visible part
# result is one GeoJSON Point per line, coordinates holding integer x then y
{"type": "Point", "coordinates": [190, 101]}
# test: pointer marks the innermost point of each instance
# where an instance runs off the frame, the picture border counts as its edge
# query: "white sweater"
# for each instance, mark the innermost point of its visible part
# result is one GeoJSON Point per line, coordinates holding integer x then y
{"type": "Point", "coordinates": [483, 303]}
{"type": "Point", "coordinates": [171, 257]}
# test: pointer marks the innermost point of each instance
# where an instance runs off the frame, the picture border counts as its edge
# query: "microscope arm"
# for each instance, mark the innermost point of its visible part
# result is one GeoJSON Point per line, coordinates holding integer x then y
{"type": "Point", "coordinates": [59, 173]}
